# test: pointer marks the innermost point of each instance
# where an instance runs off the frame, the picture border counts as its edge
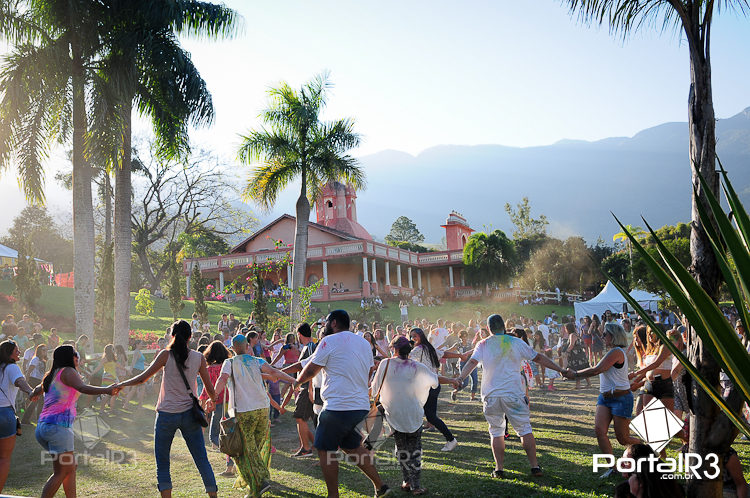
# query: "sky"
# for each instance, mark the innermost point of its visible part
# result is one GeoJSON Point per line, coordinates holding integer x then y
{"type": "Point", "coordinates": [414, 74]}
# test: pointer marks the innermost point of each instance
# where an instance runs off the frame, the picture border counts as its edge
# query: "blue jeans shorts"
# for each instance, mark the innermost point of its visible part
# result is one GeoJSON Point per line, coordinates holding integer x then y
{"type": "Point", "coordinates": [620, 406]}
{"type": "Point", "coordinates": [338, 429]}
{"type": "Point", "coordinates": [55, 439]}
{"type": "Point", "coordinates": [7, 422]}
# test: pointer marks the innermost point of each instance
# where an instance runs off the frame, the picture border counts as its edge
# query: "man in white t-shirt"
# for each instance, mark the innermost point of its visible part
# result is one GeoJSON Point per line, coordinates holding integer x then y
{"type": "Point", "coordinates": [248, 402]}
{"type": "Point", "coordinates": [503, 390]}
{"type": "Point", "coordinates": [346, 362]}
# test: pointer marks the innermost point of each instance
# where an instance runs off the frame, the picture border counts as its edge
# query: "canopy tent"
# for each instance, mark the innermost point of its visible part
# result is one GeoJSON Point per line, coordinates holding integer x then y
{"type": "Point", "coordinates": [9, 256]}
{"type": "Point", "coordinates": [611, 299]}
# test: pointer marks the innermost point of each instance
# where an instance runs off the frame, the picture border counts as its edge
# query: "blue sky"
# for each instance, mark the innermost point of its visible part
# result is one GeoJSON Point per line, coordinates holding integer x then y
{"type": "Point", "coordinates": [419, 73]}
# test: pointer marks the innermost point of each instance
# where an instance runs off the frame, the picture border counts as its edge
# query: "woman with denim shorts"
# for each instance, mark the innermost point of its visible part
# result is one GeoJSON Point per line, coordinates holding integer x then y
{"type": "Point", "coordinates": [615, 402]}
{"type": "Point", "coordinates": [61, 386]}
{"type": "Point", "coordinates": [174, 408]}
{"type": "Point", "coordinates": [11, 380]}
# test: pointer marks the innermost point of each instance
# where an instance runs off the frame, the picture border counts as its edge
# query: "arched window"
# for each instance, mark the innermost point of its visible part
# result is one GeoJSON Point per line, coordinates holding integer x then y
{"type": "Point", "coordinates": [329, 204]}
{"type": "Point", "coordinates": [311, 279]}
{"type": "Point", "coordinates": [463, 240]}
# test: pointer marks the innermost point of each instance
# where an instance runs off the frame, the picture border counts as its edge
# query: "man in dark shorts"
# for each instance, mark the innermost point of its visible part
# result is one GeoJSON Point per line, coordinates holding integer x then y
{"type": "Point", "coordinates": [347, 361]}
{"type": "Point", "coordinates": [303, 405]}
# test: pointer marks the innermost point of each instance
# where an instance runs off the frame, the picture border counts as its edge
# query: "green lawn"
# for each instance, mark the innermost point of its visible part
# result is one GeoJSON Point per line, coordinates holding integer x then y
{"type": "Point", "coordinates": [562, 421]}
{"type": "Point", "coordinates": [56, 310]}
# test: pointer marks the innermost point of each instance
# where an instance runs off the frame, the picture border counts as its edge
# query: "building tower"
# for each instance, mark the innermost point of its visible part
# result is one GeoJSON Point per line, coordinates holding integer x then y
{"type": "Point", "coordinates": [457, 231]}
{"type": "Point", "coordinates": [336, 208]}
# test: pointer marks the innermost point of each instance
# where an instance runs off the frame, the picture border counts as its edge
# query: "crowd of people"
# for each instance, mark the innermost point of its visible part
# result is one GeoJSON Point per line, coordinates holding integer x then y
{"type": "Point", "coordinates": [332, 369]}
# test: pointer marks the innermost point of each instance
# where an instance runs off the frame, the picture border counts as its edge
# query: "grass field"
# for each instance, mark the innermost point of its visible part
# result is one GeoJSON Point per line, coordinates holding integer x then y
{"type": "Point", "coordinates": [562, 422]}
{"type": "Point", "coordinates": [56, 307]}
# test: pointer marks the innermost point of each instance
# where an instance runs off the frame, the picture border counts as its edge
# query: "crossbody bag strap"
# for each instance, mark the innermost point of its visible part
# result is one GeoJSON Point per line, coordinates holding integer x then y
{"type": "Point", "coordinates": [377, 395]}
{"type": "Point", "coordinates": [182, 374]}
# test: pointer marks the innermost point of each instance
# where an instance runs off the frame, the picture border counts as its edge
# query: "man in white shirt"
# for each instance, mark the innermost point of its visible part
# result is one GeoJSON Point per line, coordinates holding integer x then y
{"type": "Point", "coordinates": [503, 391]}
{"type": "Point", "coordinates": [544, 329]}
{"type": "Point", "coordinates": [346, 362]}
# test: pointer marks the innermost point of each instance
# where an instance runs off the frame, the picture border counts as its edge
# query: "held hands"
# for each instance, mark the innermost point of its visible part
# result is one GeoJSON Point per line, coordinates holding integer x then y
{"type": "Point", "coordinates": [569, 373]}
{"type": "Point", "coordinates": [456, 383]}
{"type": "Point", "coordinates": [210, 406]}
{"type": "Point", "coordinates": [114, 389]}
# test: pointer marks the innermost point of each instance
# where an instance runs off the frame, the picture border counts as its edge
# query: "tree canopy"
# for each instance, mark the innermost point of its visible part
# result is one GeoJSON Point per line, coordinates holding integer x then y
{"type": "Point", "coordinates": [525, 225]}
{"type": "Point", "coordinates": [404, 230]}
{"type": "Point", "coordinates": [489, 258]}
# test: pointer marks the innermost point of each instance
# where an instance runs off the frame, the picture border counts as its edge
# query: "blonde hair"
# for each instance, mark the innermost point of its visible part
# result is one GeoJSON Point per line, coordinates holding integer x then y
{"type": "Point", "coordinates": [619, 337]}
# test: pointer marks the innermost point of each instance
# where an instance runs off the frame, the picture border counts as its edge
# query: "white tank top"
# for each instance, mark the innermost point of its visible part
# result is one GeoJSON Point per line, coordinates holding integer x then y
{"type": "Point", "coordinates": [615, 378]}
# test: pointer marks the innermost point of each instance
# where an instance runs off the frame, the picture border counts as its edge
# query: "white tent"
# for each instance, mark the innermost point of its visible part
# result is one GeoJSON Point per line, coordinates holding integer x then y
{"type": "Point", "coordinates": [611, 299]}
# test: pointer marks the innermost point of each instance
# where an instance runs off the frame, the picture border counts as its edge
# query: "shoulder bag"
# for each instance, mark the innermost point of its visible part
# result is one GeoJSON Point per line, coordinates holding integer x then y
{"type": "Point", "coordinates": [374, 427]}
{"type": "Point", "coordinates": [198, 413]}
{"type": "Point", "coordinates": [230, 439]}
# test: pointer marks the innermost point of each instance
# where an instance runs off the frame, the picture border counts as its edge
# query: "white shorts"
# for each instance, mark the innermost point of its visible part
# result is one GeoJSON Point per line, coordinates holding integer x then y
{"type": "Point", "coordinates": [516, 408]}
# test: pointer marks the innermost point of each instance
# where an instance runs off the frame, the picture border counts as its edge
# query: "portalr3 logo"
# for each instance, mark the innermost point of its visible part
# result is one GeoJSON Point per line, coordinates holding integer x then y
{"type": "Point", "coordinates": [656, 425]}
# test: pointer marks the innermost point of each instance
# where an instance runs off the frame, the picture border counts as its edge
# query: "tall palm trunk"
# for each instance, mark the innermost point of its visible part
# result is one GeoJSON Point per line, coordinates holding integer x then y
{"type": "Point", "coordinates": [300, 248]}
{"type": "Point", "coordinates": [83, 208]}
{"type": "Point", "coordinates": [107, 210]}
{"type": "Point", "coordinates": [123, 236]}
{"type": "Point", "coordinates": [710, 430]}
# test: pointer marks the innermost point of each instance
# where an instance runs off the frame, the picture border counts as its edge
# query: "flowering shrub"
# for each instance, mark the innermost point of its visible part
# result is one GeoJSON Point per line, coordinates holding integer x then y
{"type": "Point", "coordinates": [150, 339]}
{"type": "Point", "coordinates": [6, 299]}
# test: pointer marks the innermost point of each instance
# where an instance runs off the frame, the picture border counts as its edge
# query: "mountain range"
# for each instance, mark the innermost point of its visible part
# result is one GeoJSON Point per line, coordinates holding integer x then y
{"type": "Point", "coordinates": [576, 184]}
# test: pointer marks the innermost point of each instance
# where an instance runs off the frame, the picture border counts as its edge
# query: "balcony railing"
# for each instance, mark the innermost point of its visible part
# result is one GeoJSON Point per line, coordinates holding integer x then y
{"type": "Point", "coordinates": [339, 249]}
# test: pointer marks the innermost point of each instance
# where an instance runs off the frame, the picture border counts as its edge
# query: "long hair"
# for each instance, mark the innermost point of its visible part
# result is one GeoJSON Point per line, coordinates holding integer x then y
{"type": "Point", "coordinates": [63, 356]}
{"type": "Point", "coordinates": [216, 353]}
{"type": "Point", "coordinates": [655, 347]}
{"type": "Point", "coordinates": [6, 350]}
{"type": "Point", "coordinates": [181, 334]}
{"type": "Point", "coordinates": [431, 354]}
{"type": "Point", "coordinates": [639, 341]}
{"type": "Point", "coordinates": [109, 353]}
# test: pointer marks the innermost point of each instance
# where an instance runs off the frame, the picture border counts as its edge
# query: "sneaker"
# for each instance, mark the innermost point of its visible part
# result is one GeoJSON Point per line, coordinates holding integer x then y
{"type": "Point", "coordinates": [607, 473]}
{"type": "Point", "coordinates": [537, 471]}
{"type": "Point", "coordinates": [454, 395]}
{"type": "Point", "coordinates": [229, 472]}
{"type": "Point", "coordinates": [264, 487]}
{"type": "Point", "coordinates": [383, 491]}
{"type": "Point", "coordinates": [498, 474]}
{"type": "Point", "coordinates": [450, 445]}
{"type": "Point", "coordinates": [303, 453]}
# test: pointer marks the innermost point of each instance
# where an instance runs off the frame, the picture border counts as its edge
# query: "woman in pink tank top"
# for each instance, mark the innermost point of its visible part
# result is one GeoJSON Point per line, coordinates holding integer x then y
{"type": "Point", "coordinates": [62, 385]}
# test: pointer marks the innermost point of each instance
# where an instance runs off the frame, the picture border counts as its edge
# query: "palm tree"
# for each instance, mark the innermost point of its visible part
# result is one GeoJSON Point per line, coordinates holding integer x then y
{"type": "Point", "coordinates": [709, 430]}
{"type": "Point", "coordinates": [489, 258]}
{"type": "Point", "coordinates": [43, 83]}
{"type": "Point", "coordinates": [298, 144]}
{"type": "Point", "coordinates": [143, 65]}
{"type": "Point", "coordinates": [637, 232]}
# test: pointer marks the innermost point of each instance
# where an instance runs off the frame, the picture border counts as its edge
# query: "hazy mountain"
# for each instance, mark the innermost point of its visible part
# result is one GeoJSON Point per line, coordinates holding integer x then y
{"type": "Point", "coordinates": [575, 183]}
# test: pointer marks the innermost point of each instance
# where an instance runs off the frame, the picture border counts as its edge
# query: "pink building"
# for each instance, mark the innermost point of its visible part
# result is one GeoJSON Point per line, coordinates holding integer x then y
{"type": "Point", "coordinates": [343, 254]}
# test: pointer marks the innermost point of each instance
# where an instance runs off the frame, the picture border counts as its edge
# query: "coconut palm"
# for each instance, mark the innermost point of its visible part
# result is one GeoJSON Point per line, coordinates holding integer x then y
{"type": "Point", "coordinates": [43, 82]}
{"type": "Point", "coordinates": [709, 431]}
{"type": "Point", "coordinates": [144, 66]}
{"type": "Point", "coordinates": [299, 145]}
{"type": "Point", "coordinates": [637, 232]}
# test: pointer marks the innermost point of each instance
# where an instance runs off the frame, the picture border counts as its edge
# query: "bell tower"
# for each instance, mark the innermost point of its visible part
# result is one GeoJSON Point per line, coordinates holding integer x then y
{"type": "Point", "coordinates": [457, 231]}
{"type": "Point", "coordinates": [336, 207]}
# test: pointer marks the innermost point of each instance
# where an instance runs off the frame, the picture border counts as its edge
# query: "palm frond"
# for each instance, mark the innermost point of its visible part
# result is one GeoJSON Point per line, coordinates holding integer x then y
{"type": "Point", "coordinates": [205, 19]}
{"type": "Point", "coordinates": [626, 16]}
{"type": "Point", "coordinates": [267, 181]}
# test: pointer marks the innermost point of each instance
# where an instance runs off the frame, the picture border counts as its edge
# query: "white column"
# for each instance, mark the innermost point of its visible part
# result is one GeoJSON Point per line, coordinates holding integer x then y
{"type": "Point", "coordinates": [374, 271]}
{"type": "Point", "coordinates": [398, 275]}
{"type": "Point", "coordinates": [387, 273]}
{"type": "Point", "coordinates": [419, 278]}
{"type": "Point", "coordinates": [450, 274]}
{"type": "Point", "coordinates": [221, 281]}
{"type": "Point", "coordinates": [365, 278]}
{"type": "Point", "coordinates": [187, 285]}
{"type": "Point", "coordinates": [411, 286]}
{"type": "Point", "coordinates": [325, 272]}
{"type": "Point", "coordinates": [289, 276]}
{"type": "Point", "coordinates": [429, 283]}
{"type": "Point", "coordinates": [463, 281]}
